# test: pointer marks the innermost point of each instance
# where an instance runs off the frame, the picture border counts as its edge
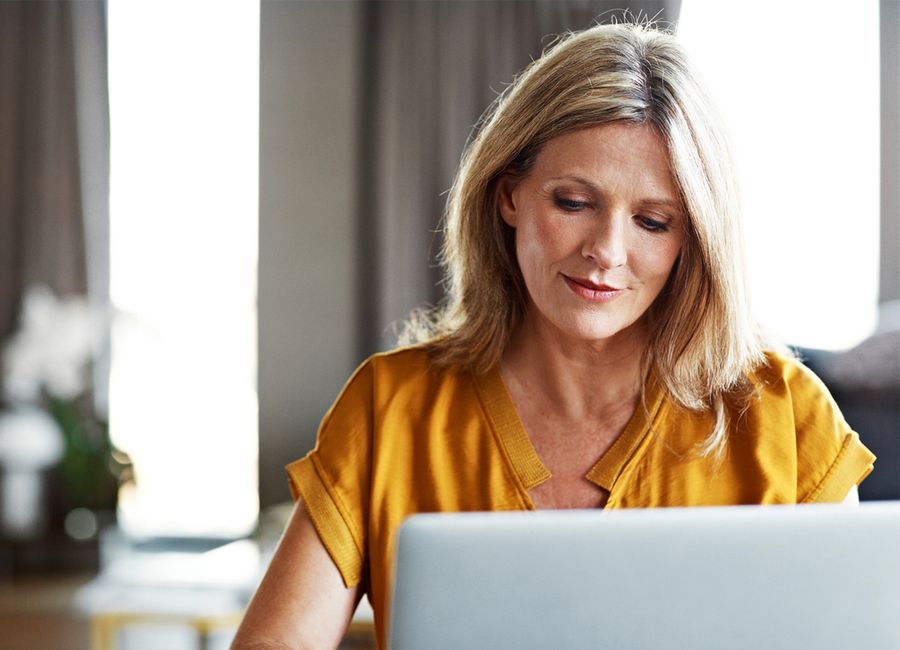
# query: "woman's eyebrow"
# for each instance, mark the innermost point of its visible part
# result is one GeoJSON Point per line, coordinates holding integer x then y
{"type": "Point", "coordinates": [579, 179]}
{"type": "Point", "coordinates": [674, 204]}
{"type": "Point", "coordinates": [668, 203]}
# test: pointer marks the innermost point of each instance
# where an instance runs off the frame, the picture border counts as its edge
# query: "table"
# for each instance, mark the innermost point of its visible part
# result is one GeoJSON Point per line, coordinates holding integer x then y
{"type": "Point", "coordinates": [205, 591]}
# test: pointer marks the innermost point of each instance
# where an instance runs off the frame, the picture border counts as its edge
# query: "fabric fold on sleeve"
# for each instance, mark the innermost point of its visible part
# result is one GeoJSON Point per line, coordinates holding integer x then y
{"type": "Point", "coordinates": [853, 463]}
{"type": "Point", "coordinates": [333, 479]}
{"type": "Point", "coordinates": [333, 525]}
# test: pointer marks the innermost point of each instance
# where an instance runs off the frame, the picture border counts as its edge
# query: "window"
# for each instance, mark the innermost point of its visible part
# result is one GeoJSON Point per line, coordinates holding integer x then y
{"type": "Point", "coordinates": [797, 84]}
{"type": "Point", "coordinates": [184, 96]}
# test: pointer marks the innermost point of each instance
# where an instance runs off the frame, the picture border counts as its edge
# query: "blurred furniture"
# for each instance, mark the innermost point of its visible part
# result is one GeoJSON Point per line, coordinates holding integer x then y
{"type": "Point", "coordinates": [182, 593]}
{"type": "Point", "coordinates": [190, 592]}
{"type": "Point", "coordinates": [36, 612]}
{"type": "Point", "coordinates": [106, 626]}
{"type": "Point", "coordinates": [865, 382]}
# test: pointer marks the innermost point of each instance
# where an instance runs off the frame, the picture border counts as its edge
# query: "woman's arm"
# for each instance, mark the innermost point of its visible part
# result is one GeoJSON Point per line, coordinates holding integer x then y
{"type": "Point", "coordinates": [302, 602]}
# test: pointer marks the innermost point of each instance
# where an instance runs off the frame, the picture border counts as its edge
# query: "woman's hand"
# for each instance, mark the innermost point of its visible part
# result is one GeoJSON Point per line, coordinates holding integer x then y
{"type": "Point", "coordinates": [302, 601]}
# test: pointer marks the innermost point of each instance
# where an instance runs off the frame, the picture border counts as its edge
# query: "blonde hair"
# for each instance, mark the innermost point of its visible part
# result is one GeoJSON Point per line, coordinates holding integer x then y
{"type": "Point", "coordinates": [702, 341]}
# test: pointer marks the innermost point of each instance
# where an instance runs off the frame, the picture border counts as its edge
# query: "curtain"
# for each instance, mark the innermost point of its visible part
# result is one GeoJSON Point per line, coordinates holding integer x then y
{"type": "Point", "coordinates": [889, 284]}
{"type": "Point", "coordinates": [429, 71]}
{"type": "Point", "coordinates": [92, 111]}
{"type": "Point", "coordinates": [54, 163]}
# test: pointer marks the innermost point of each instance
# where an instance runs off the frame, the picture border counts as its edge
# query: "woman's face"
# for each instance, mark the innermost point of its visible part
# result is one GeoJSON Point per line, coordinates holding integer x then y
{"type": "Point", "coordinates": [599, 225]}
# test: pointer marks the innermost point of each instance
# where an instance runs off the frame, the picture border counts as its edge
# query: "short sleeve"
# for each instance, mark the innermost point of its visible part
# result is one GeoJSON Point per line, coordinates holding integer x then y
{"type": "Point", "coordinates": [333, 479]}
{"type": "Point", "coordinates": [831, 459]}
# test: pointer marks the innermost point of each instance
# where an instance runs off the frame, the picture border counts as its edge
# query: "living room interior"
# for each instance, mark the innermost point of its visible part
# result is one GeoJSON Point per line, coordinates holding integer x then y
{"type": "Point", "coordinates": [211, 213]}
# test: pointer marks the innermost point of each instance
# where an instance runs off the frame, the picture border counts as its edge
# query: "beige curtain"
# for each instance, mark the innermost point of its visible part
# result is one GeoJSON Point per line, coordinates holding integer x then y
{"type": "Point", "coordinates": [430, 69]}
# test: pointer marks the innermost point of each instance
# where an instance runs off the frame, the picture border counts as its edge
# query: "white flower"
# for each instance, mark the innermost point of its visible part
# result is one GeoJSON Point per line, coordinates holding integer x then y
{"type": "Point", "coordinates": [55, 341]}
{"type": "Point", "coordinates": [29, 439]}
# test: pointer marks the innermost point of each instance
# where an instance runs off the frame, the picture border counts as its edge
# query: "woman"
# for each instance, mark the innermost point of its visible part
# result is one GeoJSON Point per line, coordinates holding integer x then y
{"type": "Point", "coordinates": [596, 350]}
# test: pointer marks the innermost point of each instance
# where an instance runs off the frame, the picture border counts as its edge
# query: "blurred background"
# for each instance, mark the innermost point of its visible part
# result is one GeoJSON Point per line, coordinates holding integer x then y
{"type": "Point", "coordinates": [211, 212]}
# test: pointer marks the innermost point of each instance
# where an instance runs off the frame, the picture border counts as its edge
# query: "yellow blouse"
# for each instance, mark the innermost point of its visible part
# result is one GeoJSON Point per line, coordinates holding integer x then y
{"type": "Point", "coordinates": [406, 437]}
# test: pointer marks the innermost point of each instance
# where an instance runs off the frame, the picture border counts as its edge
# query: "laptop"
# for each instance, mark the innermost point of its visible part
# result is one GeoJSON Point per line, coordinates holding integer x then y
{"type": "Point", "coordinates": [812, 576]}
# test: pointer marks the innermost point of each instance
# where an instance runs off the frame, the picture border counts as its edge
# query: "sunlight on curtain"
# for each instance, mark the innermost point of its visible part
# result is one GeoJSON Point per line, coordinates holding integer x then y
{"type": "Point", "coordinates": [797, 84]}
{"type": "Point", "coordinates": [184, 95]}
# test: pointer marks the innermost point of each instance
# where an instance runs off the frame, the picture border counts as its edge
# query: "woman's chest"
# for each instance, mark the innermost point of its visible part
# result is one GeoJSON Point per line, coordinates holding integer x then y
{"type": "Point", "coordinates": [559, 493]}
{"type": "Point", "coordinates": [569, 452]}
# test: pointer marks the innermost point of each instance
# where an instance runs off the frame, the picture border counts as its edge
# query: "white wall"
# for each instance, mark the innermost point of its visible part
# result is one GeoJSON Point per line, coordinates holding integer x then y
{"type": "Point", "coordinates": [307, 248]}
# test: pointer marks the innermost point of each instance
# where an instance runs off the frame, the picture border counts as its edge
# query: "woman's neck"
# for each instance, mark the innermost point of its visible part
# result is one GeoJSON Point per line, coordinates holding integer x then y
{"type": "Point", "coordinates": [580, 379]}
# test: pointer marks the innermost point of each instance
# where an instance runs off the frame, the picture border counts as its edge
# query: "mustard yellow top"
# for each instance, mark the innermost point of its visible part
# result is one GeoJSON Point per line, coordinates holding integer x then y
{"type": "Point", "coordinates": [405, 437]}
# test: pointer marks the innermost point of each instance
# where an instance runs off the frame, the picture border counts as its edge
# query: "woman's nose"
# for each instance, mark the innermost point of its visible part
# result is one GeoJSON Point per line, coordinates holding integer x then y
{"type": "Point", "coordinates": [606, 246]}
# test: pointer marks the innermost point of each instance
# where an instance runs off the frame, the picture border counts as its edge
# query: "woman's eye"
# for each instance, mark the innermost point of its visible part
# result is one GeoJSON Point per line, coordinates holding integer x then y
{"type": "Point", "coordinates": [653, 225]}
{"type": "Point", "coordinates": [570, 205]}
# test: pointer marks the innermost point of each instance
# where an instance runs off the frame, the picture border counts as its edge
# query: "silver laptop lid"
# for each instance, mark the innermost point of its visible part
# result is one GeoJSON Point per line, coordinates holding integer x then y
{"type": "Point", "coordinates": [739, 577]}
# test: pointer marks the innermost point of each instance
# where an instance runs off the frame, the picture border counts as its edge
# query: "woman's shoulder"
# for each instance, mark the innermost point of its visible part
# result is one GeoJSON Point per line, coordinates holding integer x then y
{"type": "Point", "coordinates": [408, 359]}
{"type": "Point", "coordinates": [397, 385]}
{"type": "Point", "coordinates": [829, 456]}
{"type": "Point", "coordinates": [407, 369]}
{"type": "Point", "coordinates": [405, 360]}
{"type": "Point", "coordinates": [784, 376]}
{"type": "Point", "coordinates": [785, 389]}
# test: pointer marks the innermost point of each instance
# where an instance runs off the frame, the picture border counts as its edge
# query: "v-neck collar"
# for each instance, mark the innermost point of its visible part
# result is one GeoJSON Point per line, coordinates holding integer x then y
{"type": "Point", "coordinates": [522, 455]}
{"type": "Point", "coordinates": [503, 417]}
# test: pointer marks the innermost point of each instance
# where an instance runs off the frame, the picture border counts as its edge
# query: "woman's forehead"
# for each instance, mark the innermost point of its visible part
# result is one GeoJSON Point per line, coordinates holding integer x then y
{"type": "Point", "coordinates": [616, 152]}
{"type": "Point", "coordinates": [621, 141]}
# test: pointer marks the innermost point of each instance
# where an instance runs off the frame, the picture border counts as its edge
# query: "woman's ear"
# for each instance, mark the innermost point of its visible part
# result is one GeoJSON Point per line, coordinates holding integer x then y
{"type": "Point", "coordinates": [506, 198]}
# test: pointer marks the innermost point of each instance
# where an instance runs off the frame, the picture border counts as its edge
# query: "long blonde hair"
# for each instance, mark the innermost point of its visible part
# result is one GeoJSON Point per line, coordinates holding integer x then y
{"type": "Point", "coordinates": [702, 341]}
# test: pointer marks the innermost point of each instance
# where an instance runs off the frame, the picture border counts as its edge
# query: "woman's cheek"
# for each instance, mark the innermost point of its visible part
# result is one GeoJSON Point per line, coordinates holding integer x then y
{"type": "Point", "coordinates": [551, 239]}
{"type": "Point", "coordinates": [530, 253]}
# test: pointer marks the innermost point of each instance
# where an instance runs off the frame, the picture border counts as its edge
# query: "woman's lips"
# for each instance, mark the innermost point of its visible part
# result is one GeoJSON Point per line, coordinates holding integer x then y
{"type": "Point", "coordinates": [590, 291]}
